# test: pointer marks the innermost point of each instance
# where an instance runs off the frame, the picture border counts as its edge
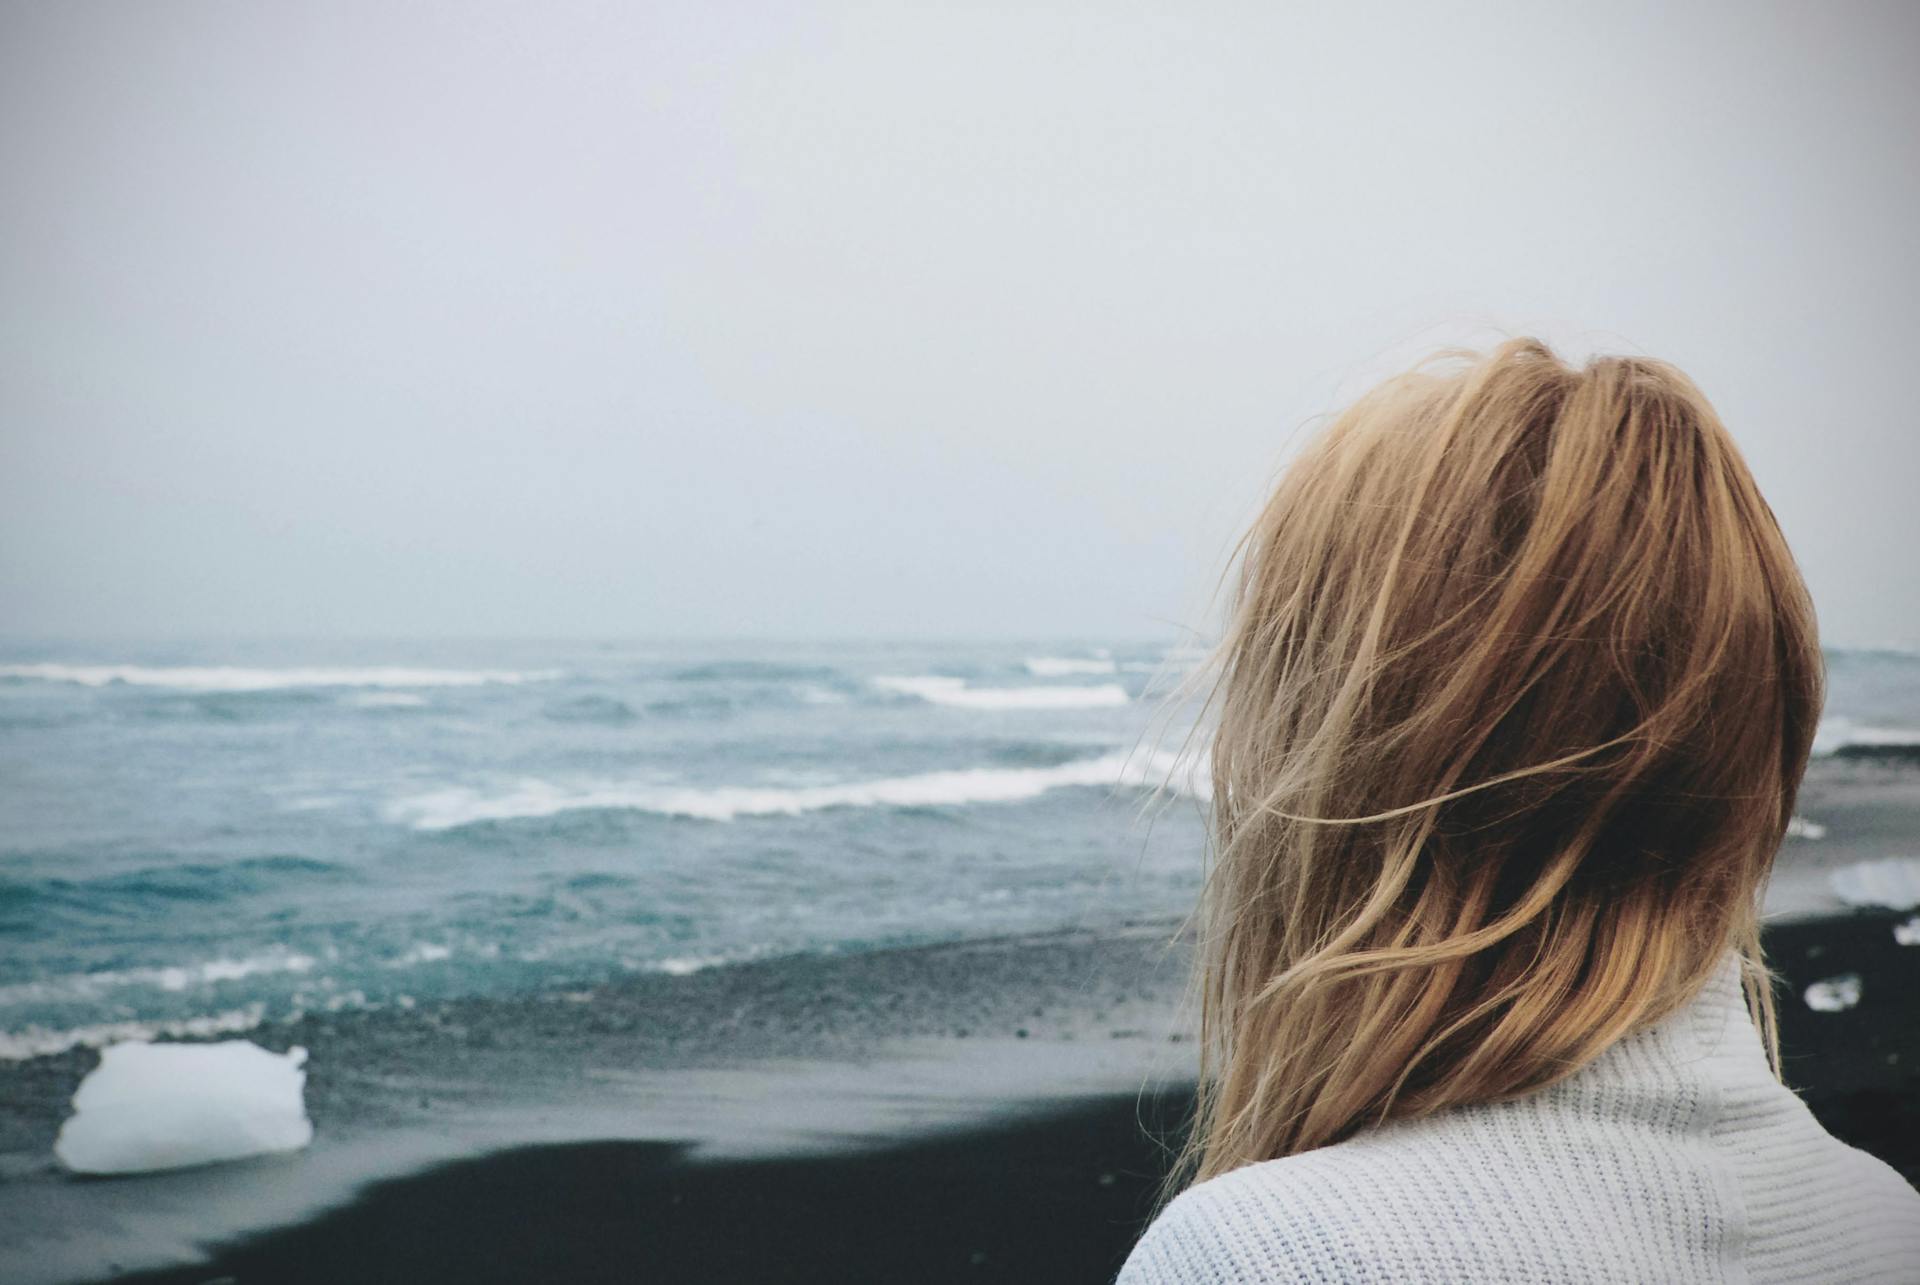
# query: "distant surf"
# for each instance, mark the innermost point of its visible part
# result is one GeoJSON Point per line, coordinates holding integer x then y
{"type": "Point", "coordinates": [1843, 738]}
{"type": "Point", "coordinates": [224, 678]}
{"type": "Point", "coordinates": [939, 689]}
{"type": "Point", "coordinates": [389, 700]}
{"type": "Point", "coordinates": [1067, 666]}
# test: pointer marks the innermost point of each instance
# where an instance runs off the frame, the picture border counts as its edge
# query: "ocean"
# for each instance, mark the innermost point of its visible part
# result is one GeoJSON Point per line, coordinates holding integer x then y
{"type": "Point", "coordinates": [200, 839]}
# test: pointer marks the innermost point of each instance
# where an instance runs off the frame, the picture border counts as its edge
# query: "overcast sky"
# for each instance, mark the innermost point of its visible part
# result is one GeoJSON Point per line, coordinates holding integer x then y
{"type": "Point", "coordinates": [903, 319]}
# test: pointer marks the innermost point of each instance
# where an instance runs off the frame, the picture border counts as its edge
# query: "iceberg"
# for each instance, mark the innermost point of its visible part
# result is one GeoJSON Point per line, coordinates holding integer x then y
{"type": "Point", "coordinates": [1893, 882]}
{"type": "Point", "coordinates": [1834, 994]}
{"type": "Point", "coordinates": [149, 1107]}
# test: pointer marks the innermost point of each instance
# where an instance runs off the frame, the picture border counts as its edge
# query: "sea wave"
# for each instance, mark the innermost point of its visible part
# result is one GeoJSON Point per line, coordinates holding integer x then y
{"type": "Point", "coordinates": [707, 699]}
{"type": "Point", "coordinates": [1843, 737]}
{"type": "Point", "coordinates": [41, 1041]}
{"type": "Point", "coordinates": [941, 690]}
{"type": "Point", "coordinates": [226, 678]}
{"type": "Point", "coordinates": [686, 965]}
{"type": "Point", "coordinates": [449, 809]}
{"type": "Point", "coordinates": [425, 952]}
{"type": "Point", "coordinates": [165, 977]}
{"type": "Point", "coordinates": [724, 671]}
{"type": "Point", "coordinates": [591, 709]}
{"type": "Point", "coordinates": [387, 700]}
{"type": "Point", "coordinates": [141, 892]}
{"type": "Point", "coordinates": [1067, 666]}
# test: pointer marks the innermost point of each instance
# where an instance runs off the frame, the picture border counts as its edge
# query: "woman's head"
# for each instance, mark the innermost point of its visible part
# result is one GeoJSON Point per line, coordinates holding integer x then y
{"type": "Point", "coordinates": [1518, 686]}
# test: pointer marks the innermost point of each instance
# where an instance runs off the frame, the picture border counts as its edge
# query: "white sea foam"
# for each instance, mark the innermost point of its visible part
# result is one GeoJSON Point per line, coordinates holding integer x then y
{"type": "Point", "coordinates": [1907, 934]}
{"type": "Point", "coordinates": [388, 700]}
{"type": "Point", "coordinates": [40, 1041]}
{"type": "Point", "coordinates": [225, 678]}
{"type": "Point", "coordinates": [940, 690]}
{"type": "Point", "coordinates": [1893, 882]}
{"type": "Point", "coordinates": [1836, 734]}
{"type": "Point", "coordinates": [425, 952]}
{"type": "Point", "coordinates": [446, 809]}
{"type": "Point", "coordinates": [686, 965]}
{"type": "Point", "coordinates": [1066, 666]}
{"type": "Point", "coordinates": [166, 977]}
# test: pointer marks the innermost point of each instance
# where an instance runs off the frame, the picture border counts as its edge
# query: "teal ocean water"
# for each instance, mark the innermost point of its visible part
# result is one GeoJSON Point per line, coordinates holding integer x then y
{"type": "Point", "coordinates": [205, 838]}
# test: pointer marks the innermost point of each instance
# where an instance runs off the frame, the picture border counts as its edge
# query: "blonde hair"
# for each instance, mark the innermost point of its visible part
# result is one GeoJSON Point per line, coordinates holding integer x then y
{"type": "Point", "coordinates": [1517, 689]}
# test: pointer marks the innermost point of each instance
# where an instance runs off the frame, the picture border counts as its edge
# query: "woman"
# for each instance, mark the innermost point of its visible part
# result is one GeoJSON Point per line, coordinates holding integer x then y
{"type": "Point", "coordinates": [1517, 692]}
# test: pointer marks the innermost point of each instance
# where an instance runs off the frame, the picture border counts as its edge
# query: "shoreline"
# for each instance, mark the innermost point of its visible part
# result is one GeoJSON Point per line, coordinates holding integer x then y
{"type": "Point", "coordinates": [933, 1160]}
{"type": "Point", "coordinates": [803, 1056]}
{"type": "Point", "coordinates": [830, 1063]}
{"type": "Point", "coordinates": [941, 1080]}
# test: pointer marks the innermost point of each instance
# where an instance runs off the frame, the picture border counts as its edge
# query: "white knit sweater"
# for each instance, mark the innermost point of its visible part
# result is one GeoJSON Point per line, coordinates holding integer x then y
{"type": "Point", "coordinates": [1673, 1157]}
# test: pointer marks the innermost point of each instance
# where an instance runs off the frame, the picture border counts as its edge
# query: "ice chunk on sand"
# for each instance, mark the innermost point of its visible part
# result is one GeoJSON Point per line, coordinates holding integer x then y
{"type": "Point", "coordinates": [1893, 882]}
{"type": "Point", "coordinates": [166, 1106]}
{"type": "Point", "coordinates": [1835, 994]}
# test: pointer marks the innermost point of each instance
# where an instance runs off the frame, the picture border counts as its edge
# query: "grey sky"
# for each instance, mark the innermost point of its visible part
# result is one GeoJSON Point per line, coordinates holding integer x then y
{"type": "Point", "coordinates": [896, 318]}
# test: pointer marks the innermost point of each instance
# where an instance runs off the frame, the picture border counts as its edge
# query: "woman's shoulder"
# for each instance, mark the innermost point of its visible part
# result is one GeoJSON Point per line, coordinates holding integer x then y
{"type": "Point", "coordinates": [1509, 1191]}
{"type": "Point", "coordinates": [1308, 1217]}
{"type": "Point", "coordinates": [1527, 1191]}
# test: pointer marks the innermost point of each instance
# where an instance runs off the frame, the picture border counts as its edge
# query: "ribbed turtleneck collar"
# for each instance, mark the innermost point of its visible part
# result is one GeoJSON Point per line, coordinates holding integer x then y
{"type": "Point", "coordinates": [1710, 1038]}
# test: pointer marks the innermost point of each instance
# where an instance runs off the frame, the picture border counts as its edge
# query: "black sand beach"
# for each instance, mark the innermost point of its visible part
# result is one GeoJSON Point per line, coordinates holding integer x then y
{"type": "Point", "coordinates": [836, 1076]}
{"type": "Point", "coordinates": [989, 1110]}
{"type": "Point", "coordinates": [1041, 1195]}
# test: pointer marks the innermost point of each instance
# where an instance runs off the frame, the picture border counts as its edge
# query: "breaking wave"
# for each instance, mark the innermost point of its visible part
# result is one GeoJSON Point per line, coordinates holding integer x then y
{"type": "Point", "coordinates": [940, 690]}
{"type": "Point", "coordinates": [40, 1041]}
{"type": "Point", "coordinates": [1067, 666]}
{"type": "Point", "coordinates": [1843, 738]}
{"type": "Point", "coordinates": [169, 977]}
{"type": "Point", "coordinates": [448, 809]}
{"type": "Point", "coordinates": [227, 678]}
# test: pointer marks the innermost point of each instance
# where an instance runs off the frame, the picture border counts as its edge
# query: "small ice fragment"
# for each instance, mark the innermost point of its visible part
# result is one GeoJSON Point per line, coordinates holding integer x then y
{"type": "Point", "coordinates": [1801, 828]}
{"type": "Point", "coordinates": [148, 1107]}
{"type": "Point", "coordinates": [1835, 994]}
{"type": "Point", "coordinates": [1908, 934]}
{"type": "Point", "coordinates": [1893, 882]}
